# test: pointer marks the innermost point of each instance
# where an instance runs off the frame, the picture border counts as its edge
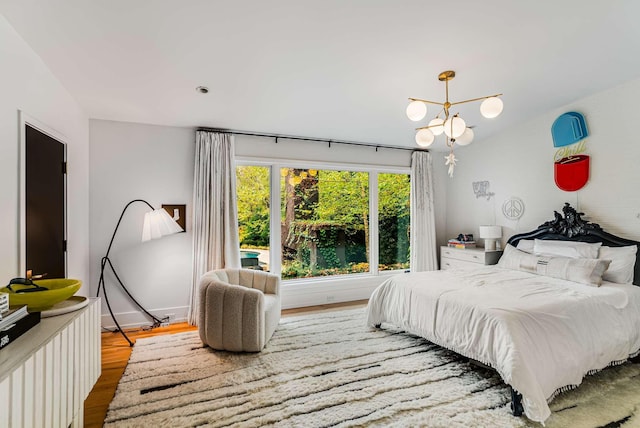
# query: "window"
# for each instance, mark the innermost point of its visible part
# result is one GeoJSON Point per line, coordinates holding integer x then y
{"type": "Point", "coordinates": [325, 222]}
{"type": "Point", "coordinates": [253, 193]}
{"type": "Point", "coordinates": [319, 222]}
{"type": "Point", "coordinates": [393, 221]}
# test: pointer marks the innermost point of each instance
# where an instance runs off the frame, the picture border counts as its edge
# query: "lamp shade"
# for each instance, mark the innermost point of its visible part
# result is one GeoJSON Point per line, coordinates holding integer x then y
{"type": "Point", "coordinates": [436, 126]}
{"type": "Point", "coordinates": [490, 232]}
{"type": "Point", "coordinates": [454, 127]}
{"type": "Point", "coordinates": [158, 223]}
{"type": "Point", "coordinates": [424, 137]}
{"type": "Point", "coordinates": [491, 107]}
{"type": "Point", "coordinates": [416, 110]}
{"type": "Point", "coordinates": [466, 137]}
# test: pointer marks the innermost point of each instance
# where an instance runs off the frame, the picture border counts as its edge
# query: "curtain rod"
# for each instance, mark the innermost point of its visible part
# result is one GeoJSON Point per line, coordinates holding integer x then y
{"type": "Point", "coordinates": [319, 140]}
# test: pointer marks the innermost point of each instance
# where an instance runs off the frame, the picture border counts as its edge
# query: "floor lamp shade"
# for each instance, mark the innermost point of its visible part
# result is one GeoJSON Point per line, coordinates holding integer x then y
{"type": "Point", "coordinates": [490, 234]}
{"type": "Point", "coordinates": [158, 223]}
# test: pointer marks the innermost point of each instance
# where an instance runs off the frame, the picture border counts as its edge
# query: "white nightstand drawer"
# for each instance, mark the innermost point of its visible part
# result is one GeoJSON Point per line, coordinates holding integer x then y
{"type": "Point", "coordinates": [451, 258]}
{"type": "Point", "coordinates": [449, 263]}
{"type": "Point", "coordinates": [468, 255]}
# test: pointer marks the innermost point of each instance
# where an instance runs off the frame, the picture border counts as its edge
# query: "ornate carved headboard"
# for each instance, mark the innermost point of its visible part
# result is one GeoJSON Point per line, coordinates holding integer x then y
{"type": "Point", "coordinates": [571, 227]}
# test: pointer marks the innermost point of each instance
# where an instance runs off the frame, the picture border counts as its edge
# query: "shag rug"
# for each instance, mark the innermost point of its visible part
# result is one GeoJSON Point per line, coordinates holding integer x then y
{"type": "Point", "coordinates": [329, 369]}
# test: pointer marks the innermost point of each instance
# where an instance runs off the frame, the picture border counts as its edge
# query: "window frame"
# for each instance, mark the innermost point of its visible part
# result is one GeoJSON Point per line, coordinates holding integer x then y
{"type": "Point", "coordinates": [275, 257]}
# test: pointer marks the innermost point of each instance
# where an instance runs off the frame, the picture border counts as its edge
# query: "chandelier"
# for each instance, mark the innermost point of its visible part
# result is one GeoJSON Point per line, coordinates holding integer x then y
{"type": "Point", "coordinates": [453, 126]}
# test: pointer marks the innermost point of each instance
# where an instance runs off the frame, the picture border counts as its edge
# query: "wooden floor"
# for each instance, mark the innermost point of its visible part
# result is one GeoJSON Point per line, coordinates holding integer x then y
{"type": "Point", "coordinates": [116, 352]}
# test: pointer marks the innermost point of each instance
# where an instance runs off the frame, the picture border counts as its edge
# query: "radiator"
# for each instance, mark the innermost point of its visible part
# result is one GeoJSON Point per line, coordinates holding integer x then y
{"type": "Point", "coordinates": [48, 372]}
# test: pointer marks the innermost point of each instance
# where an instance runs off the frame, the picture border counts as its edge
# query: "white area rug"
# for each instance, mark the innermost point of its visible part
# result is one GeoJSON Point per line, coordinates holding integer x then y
{"type": "Point", "coordinates": [330, 370]}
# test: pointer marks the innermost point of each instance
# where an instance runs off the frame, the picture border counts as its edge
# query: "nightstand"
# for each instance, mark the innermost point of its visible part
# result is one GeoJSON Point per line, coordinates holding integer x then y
{"type": "Point", "coordinates": [454, 258]}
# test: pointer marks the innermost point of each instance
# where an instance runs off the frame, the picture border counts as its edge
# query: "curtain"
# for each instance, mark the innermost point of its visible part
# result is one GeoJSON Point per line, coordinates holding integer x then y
{"type": "Point", "coordinates": [215, 219]}
{"type": "Point", "coordinates": [423, 227]}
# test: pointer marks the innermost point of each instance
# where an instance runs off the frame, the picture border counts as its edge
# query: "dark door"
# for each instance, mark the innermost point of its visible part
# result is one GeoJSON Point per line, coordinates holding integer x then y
{"type": "Point", "coordinates": [45, 175]}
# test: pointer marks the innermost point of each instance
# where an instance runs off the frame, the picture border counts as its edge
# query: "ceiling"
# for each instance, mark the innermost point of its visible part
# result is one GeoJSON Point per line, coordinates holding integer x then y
{"type": "Point", "coordinates": [327, 68]}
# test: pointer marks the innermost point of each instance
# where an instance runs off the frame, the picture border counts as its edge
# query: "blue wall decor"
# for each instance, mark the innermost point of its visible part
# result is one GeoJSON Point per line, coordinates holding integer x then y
{"type": "Point", "coordinates": [568, 128]}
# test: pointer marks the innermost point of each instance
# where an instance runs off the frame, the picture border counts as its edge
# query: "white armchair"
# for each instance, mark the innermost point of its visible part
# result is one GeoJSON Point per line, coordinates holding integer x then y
{"type": "Point", "coordinates": [239, 309]}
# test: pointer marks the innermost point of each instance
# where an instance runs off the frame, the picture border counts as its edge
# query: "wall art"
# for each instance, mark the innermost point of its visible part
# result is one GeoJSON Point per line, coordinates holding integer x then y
{"type": "Point", "coordinates": [481, 190]}
{"type": "Point", "coordinates": [513, 208]}
{"type": "Point", "coordinates": [571, 165]}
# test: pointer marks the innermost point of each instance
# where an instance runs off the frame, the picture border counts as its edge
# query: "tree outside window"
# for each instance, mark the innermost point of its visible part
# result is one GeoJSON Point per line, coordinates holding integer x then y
{"type": "Point", "coordinates": [325, 223]}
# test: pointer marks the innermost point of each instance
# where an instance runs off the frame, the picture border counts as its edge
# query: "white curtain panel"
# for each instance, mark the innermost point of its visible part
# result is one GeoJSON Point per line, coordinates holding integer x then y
{"type": "Point", "coordinates": [215, 219]}
{"type": "Point", "coordinates": [423, 225]}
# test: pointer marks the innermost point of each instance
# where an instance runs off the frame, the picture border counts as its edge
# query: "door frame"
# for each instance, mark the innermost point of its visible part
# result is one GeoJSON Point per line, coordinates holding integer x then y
{"type": "Point", "coordinates": [24, 120]}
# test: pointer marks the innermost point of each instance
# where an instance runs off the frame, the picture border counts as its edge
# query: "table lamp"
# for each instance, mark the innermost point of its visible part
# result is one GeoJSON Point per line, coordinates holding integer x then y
{"type": "Point", "coordinates": [490, 234]}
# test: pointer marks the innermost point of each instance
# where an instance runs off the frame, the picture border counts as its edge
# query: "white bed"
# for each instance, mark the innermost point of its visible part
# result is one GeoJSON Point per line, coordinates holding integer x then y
{"type": "Point", "coordinates": [541, 334]}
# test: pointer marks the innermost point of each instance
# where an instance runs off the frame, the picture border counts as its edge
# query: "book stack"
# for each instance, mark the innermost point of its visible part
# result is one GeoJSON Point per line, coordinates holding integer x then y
{"type": "Point", "coordinates": [15, 322]}
{"type": "Point", "coordinates": [459, 243]}
{"type": "Point", "coordinates": [4, 304]}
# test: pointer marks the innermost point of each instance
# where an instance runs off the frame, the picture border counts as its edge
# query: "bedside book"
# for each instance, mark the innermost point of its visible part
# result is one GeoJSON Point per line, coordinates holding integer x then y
{"type": "Point", "coordinates": [4, 304]}
{"type": "Point", "coordinates": [14, 314]}
{"type": "Point", "coordinates": [19, 328]}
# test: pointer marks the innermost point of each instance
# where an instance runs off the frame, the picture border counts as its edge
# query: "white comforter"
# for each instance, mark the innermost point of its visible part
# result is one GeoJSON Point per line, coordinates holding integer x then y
{"type": "Point", "coordinates": [539, 333]}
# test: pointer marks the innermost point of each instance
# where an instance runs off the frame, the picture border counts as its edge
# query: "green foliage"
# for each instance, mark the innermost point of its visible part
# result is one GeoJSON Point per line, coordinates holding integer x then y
{"type": "Point", "coordinates": [343, 197]}
{"type": "Point", "coordinates": [255, 231]}
{"type": "Point", "coordinates": [393, 195]}
{"type": "Point", "coordinates": [393, 220]}
{"type": "Point", "coordinates": [253, 205]}
{"type": "Point", "coordinates": [327, 212]}
{"type": "Point", "coordinates": [328, 241]}
{"type": "Point", "coordinates": [296, 269]}
{"type": "Point", "coordinates": [394, 240]}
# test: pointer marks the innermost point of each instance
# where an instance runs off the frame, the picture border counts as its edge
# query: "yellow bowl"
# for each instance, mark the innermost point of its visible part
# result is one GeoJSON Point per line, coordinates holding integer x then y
{"type": "Point", "coordinates": [59, 289]}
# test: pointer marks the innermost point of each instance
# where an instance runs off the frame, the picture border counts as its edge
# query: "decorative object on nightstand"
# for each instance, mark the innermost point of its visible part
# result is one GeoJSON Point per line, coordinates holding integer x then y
{"type": "Point", "coordinates": [464, 240]}
{"type": "Point", "coordinates": [157, 223]}
{"type": "Point", "coordinates": [490, 234]}
{"type": "Point", "coordinates": [457, 258]}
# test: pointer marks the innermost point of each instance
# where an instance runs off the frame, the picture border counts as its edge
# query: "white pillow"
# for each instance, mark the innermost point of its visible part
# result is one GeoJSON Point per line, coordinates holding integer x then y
{"type": "Point", "coordinates": [572, 249]}
{"type": "Point", "coordinates": [525, 245]}
{"type": "Point", "coordinates": [584, 271]}
{"type": "Point", "coordinates": [623, 261]}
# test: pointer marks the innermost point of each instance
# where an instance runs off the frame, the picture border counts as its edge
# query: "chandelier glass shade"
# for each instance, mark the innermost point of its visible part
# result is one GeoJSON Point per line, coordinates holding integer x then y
{"type": "Point", "coordinates": [416, 110]}
{"type": "Point", "coordinates": [466, 138]}
{"type": "Point", "coordinates": [453, 126]}
{"type": "Point", "coordinates": [436, 126]}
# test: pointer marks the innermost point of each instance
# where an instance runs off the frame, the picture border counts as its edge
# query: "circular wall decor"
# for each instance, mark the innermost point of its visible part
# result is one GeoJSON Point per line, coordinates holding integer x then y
{"type": "Point", "coordinates": [513, 208]}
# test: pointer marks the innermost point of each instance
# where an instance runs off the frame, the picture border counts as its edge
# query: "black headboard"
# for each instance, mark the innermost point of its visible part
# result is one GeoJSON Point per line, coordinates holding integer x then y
{"type": "Point", "coordinates": [571, 227]}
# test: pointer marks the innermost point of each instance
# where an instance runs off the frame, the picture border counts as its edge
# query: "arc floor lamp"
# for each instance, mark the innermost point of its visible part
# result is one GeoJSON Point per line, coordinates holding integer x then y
{"type": "Point", "coordinates": [157, 223]}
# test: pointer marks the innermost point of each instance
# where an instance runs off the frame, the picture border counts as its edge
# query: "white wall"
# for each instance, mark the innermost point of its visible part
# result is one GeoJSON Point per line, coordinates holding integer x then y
{"type": "Point", "coordinates": [27, 84]}
{"type": "Point", "coordinates": [158, 273]}
{"type": "Point", "coordinates": [263, 147]}
{"type": "Point", "coordinates": [519, 163]}
{"type": "Point", "coordinates": [133, 161]}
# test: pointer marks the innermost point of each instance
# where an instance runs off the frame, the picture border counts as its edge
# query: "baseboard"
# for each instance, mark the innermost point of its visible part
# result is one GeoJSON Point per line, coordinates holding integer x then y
{"type": "Point", "coordinates": [331, 290]}
{"type": "Point", "coordinates": [134, 319]}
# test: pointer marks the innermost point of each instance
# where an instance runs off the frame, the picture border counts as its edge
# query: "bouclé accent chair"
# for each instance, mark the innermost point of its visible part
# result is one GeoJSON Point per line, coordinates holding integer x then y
{"type": "Point", "coordinates": [239, 309]}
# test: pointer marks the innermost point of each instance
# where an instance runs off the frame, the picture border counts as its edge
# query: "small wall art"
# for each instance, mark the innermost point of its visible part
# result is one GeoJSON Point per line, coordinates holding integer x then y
{"type": "Point", "coordinates": [481, 190]}
{"type": "Point", "coordinates": [513, 208]}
